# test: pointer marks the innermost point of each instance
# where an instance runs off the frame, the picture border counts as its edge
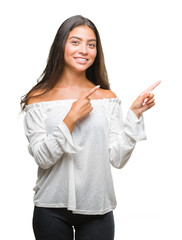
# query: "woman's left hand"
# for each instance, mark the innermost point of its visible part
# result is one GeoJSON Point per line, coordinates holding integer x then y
{"type": "Point", "coordinates": [145, 101]}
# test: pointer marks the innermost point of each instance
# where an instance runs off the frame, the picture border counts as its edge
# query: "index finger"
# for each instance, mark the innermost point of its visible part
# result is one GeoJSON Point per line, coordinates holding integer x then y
{"type": "Point", "coordinates": [151, 88]}
{"type": "Point", "coordinates": [91, 91]}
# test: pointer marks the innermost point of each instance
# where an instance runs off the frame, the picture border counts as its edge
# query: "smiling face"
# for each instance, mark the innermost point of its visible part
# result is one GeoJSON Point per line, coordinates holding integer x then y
{"type": "Point", "coordinates": [80, 49]}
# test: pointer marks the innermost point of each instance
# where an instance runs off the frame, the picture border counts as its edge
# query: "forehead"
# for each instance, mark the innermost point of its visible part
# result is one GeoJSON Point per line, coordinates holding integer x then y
{"type": "Point", "coordinates": [84, 32]}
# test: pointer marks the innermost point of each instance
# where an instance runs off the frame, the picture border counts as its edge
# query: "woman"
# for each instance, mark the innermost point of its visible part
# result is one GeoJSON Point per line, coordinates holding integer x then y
{"type": "Point", "coordinates": [75, 130]}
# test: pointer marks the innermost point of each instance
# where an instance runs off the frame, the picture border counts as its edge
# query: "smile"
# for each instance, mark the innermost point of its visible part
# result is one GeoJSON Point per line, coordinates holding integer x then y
{"type": "Point", "coordinates": [82, 60]}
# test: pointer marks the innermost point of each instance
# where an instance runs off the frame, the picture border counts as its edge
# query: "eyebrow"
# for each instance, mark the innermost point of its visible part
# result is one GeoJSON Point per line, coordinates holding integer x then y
{"type": "Point", "coordinates": [90, 40]}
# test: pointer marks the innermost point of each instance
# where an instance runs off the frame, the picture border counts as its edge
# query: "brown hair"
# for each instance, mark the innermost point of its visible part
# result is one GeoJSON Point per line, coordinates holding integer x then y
{"type": "Point", "coordinates": [96, 73]}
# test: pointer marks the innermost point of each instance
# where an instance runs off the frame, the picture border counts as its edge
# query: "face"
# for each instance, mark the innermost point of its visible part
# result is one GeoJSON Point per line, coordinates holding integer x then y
{"type": "Point", "coordinates": [80, 49]}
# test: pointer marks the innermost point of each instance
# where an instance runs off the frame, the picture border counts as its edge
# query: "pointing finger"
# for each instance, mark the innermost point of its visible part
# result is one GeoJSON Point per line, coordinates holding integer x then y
{"type": "Point", "coordinates": [151, 88]}
{"type": "Point", "coordinates": [91, 91]}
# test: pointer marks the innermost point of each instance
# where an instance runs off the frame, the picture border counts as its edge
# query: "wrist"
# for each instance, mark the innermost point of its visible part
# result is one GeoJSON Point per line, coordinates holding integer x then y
{"type": "Point", "coordinates": [72, 118]}
{"type": "Point", "coordinates": [136, 112]}
{"type": "Point", "coordinates": [70, 122]}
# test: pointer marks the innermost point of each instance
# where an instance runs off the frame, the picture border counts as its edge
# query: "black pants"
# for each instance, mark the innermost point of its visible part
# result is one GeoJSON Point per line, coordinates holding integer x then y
{"type": "Point", "coordinates": [61, 223]}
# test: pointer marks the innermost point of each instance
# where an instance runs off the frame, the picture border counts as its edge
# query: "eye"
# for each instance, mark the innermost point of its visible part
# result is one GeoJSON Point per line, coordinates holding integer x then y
{"type": "Point", "coordinates": [75, 42]}
{"type": "Point", "coordinates": [92, 45]}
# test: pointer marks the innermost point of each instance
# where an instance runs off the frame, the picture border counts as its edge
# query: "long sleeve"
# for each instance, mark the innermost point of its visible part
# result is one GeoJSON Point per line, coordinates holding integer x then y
{"type": "Point", "coordinates": [123, 136]}
{"type": "Point", "coordinates": [46, 148]}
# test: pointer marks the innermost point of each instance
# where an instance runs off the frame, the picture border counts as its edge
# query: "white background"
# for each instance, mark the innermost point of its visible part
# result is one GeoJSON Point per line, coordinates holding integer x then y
{"type": "Point", "coordinates": [142, 43]}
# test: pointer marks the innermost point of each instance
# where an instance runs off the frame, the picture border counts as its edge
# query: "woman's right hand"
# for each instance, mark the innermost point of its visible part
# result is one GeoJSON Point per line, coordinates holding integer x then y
{"type": "Point", "coordinates": [79, 109]}
{"type": "Point", "coordinates": [82, 107]}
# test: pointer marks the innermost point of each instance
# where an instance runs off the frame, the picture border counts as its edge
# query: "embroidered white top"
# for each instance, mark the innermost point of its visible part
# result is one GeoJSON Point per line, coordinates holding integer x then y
{"type": "Point", "coordinates": [74, 169]}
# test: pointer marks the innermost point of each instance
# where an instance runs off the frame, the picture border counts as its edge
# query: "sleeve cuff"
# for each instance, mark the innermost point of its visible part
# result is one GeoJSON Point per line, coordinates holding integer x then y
{"type": "Point", "coordinates": [135, 126]}
{"type": "Point", "coordinates": [69, 145]}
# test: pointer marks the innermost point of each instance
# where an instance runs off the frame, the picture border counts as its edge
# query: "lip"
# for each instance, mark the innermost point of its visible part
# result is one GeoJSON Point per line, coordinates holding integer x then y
{"type": "Point", "coordinates": [81, 58]}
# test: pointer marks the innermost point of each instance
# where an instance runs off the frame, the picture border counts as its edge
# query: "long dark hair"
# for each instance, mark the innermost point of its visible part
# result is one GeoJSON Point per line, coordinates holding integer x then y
{"type": "Point", "coordinates": [96, 73]}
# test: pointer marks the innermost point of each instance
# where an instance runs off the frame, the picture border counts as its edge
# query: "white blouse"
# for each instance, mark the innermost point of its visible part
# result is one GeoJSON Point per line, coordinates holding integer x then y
{"type": "Point", "coordinates": [74, 169]}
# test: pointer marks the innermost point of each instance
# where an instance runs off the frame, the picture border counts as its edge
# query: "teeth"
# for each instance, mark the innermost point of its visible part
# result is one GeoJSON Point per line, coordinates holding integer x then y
{"type": "Point", "coordinates": [82, 59]}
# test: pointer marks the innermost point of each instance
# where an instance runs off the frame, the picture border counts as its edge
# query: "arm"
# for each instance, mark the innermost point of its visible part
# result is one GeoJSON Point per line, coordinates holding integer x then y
{"type": "Point", "coordinates": [46, 149]}
{"type": "Point", "coordinates": [123, 136]}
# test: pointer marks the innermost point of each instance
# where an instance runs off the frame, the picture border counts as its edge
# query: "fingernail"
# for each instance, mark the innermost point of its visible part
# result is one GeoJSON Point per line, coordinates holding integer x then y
{"type": "Point", "coordinates": [98, 86]}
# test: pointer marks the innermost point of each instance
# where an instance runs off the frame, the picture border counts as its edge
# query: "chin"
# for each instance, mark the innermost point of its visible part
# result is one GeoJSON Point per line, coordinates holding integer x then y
{"type": "Point", "coordinates": [81, 68]}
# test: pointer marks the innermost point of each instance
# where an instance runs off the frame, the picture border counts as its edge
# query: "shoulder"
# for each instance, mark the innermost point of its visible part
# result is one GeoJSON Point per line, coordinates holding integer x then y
{"type": "Point", "coordinates": [35, 98]}
{"type": "Point", "coordinates": [104, 93]}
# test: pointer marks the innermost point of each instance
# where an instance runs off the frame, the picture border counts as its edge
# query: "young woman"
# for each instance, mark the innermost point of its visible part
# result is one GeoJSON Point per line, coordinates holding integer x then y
{"type": "Point", "coordinates": [75, 129]}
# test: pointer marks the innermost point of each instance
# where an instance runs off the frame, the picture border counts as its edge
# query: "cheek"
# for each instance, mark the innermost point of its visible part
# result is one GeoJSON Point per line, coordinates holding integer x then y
{"type": "Point", "coordinates": [93, 54]}
{"type": "Point", "coordinates": [69, 51]}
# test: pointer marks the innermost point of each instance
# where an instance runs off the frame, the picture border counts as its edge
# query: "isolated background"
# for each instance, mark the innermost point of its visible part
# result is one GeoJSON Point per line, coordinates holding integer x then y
{"type": "Point", "coordinates": [142, 44]}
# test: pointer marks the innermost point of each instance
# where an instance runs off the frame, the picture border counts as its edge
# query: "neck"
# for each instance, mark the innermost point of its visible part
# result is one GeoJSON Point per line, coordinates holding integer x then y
{"type": "Point", "coordinates": [71, 78]}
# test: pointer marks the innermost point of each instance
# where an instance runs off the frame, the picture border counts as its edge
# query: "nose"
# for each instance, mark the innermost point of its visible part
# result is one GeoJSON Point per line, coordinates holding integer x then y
{"type": "Point", "coordinates": [83, 49]}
